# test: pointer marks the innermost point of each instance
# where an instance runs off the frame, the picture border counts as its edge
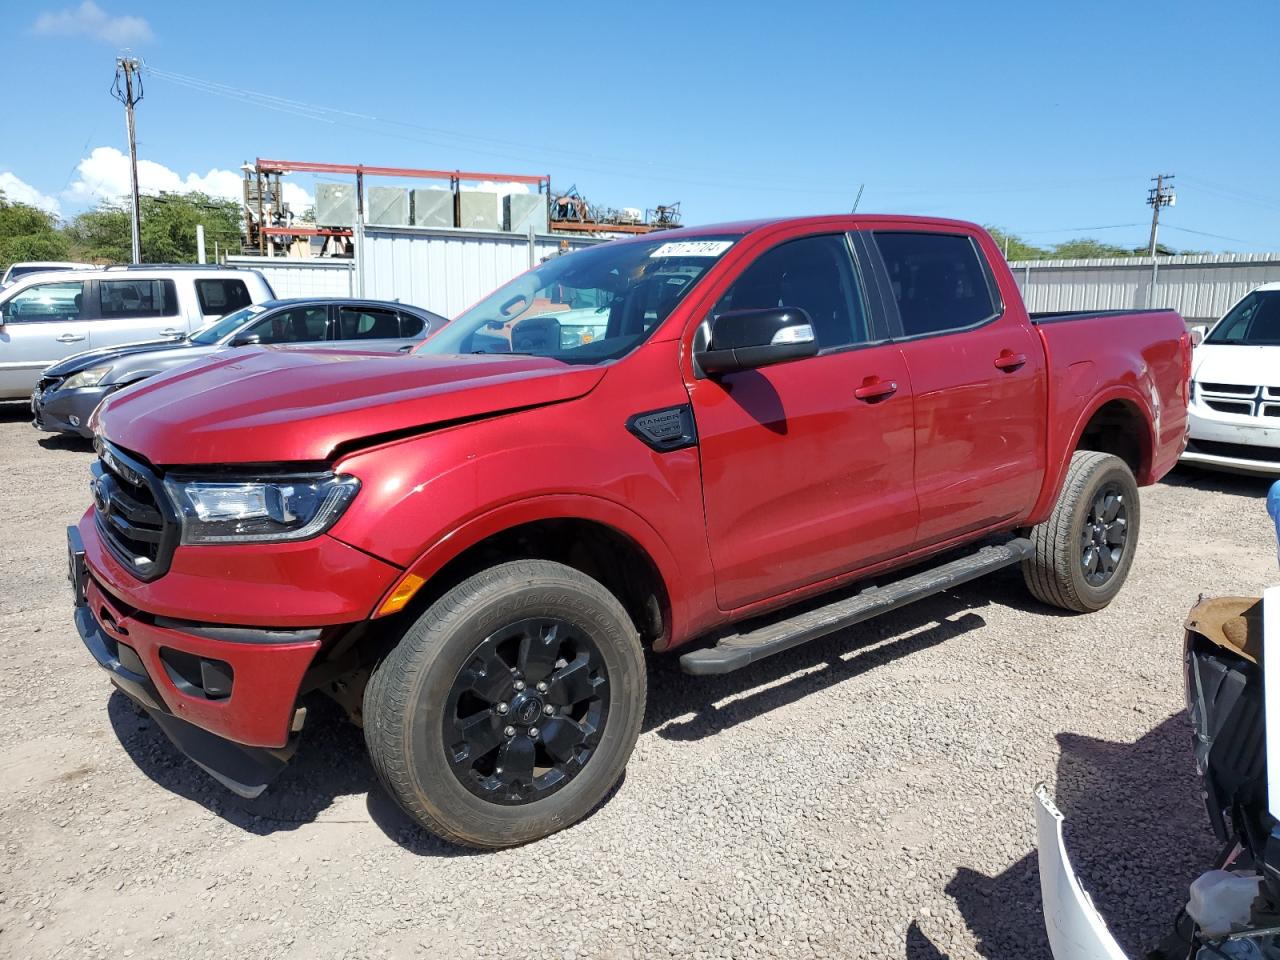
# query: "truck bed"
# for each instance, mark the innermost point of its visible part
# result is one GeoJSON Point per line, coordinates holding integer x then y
{"type": "Point", "coordinates": [1133, 356]}
{"type": "Point", "coordinates": [1068, 315]}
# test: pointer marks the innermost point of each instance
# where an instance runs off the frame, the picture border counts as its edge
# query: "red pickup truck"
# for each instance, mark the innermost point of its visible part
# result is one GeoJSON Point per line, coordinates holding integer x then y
{"type": "Point", "coordinates": [664, 442]}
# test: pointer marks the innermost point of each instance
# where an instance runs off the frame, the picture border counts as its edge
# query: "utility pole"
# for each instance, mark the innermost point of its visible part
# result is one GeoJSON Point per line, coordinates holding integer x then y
{"type": "Point", "coordinates": [129, 69]}
{"type": "Point", "coordinates": [1161, 195]}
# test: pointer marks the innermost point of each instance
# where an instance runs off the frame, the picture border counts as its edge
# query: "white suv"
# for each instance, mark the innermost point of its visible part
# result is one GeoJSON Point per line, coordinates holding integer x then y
{"type": "Point", "coordinates": [1235, 389]}
{"type": "Point", "coordinates": [49, 316]}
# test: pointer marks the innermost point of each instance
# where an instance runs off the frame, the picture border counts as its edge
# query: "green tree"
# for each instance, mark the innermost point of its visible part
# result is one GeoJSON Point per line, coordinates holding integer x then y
{"type": "Point", "coordinates": [1086, 249]}
{"type": "Point", "coordinates": [28, 233]}
{"type": "Point", "coordinates": [168, 228]}
{"type": "Point", "coordinates": [1015, 247]}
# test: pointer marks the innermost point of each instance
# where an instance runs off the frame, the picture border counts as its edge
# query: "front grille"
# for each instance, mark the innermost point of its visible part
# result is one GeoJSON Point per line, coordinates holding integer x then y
{"type": "Point", "coordinates": [133, 514]}
{"type": "Point", "coordinates": [1231, 406]}
{"type": "Point", "coordinates": [48, 383]}
{"type": "Point", "coordinates": [1244, 400]}
{"type": "Point", "coordinates": [1234, 389]}
{"type": "Point", "coordinates": [1237, 451]}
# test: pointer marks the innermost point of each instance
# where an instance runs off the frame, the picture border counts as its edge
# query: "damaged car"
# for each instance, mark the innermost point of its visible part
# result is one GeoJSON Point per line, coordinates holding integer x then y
{"type": "Point", "coordinates": [1232, 663]}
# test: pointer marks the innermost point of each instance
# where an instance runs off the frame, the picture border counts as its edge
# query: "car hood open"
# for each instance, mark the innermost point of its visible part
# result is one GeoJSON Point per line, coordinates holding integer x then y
{"type": "Point", "coordinates": [259, 405]}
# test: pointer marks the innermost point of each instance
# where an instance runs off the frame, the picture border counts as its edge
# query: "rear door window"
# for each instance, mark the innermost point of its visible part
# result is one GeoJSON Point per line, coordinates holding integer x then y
{"type": "Point", "coordinates": [46, 301]}
{"type": "Point", "coordinates": [367, 323]}
{"type": "Point", "coordinates": [411, 325]}
{"type": "Point", "coordinates": [939, 281]}
{"type": "Point", "coordinates": [221, 296]}
{"type": "Point", "coordinates": [137, 298]}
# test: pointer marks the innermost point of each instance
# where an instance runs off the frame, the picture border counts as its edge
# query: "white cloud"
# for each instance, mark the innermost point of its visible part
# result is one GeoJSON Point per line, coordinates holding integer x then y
{"type": "Point", "coordinates": [297, 198]}
{"type": "Point", "coordinates": [104, 175]}
{"type": "Point", "coordinates": [17, 189]}
{"type": "Point", "coordinates": [90, 20]}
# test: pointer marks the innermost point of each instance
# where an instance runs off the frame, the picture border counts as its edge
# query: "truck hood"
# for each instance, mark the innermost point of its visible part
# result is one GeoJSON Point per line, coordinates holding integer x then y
{"type": "Point", "coordinates": [1236, 363]}
{"type": "Point", "coordinates": [259, 405]}
{"type": "Point", "coordinates": [108, 355]}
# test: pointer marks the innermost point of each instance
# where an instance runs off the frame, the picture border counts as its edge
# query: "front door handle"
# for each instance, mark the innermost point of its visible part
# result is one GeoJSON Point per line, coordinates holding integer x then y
{"type": "Point", "coordinates": [71, 338]}
{"type": "Point", "coordinates": [873, 389]}
{"type": "Point", "coordinates": [407, 347]}
{"type": "Point", "coordinates": [1008, 361]}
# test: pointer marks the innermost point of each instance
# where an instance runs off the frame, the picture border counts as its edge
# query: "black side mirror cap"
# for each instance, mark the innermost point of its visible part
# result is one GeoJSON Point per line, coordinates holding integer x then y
{"type": "Point", "coordinates": [746, 339]}
{"type": "Point", "coordinates": [246, 341]}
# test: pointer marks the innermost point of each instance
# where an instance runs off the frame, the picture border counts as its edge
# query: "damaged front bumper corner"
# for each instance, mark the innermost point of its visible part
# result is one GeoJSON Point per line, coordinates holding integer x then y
{"type": "Point", "coordinates": [1076, 930]}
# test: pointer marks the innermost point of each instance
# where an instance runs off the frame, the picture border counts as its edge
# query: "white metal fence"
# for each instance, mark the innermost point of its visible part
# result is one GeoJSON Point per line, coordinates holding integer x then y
{"type": "Point", "coordinates": [442, 270]}
{"type": "Point", "coordinates": [303, 278]}
{"type": "Point", "coordinates": [1201, 288]}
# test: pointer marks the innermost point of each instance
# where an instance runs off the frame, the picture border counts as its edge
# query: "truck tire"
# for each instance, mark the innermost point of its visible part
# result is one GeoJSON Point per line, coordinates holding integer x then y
{"type": "Point", "coordinates": [510, 707]}
{"type": "Point", "coordinates": [1083, 552]}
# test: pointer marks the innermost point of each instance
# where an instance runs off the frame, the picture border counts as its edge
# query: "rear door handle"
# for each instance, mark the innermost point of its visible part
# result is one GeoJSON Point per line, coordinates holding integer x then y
{"type": "Point", "coordinates": [407, 347]}
{"type": "Point", "coordinates": [1008, 361]}
{"type": "Point", "coordinates": [71, 338]}
{"type": "Point", "coordinates": [170, 332]}
{"type": "Point", "coordinates": [873, 389]}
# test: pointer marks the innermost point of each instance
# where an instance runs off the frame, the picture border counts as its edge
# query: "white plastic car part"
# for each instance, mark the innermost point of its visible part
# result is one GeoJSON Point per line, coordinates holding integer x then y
{"type": "Point", "coordinates": [1076, 930]}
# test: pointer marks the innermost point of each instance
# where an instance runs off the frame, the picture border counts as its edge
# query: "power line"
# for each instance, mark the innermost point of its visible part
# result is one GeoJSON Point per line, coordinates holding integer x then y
{"type": "Point", "coordinates": [1109, 226]}
{"type": "Point", "coordinates": [1202, 233]}
{"type": "Point", "coordinates": [623, 167]}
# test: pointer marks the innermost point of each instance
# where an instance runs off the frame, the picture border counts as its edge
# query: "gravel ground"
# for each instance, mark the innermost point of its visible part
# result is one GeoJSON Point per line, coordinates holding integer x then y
{"type": "Point", "coordinates": [869, 795]}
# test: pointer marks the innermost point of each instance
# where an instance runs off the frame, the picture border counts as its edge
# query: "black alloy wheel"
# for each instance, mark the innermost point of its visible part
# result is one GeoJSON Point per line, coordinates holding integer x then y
{"type": "Point", "coordinates": [1104, 534]}
{"type": "Point", "coordinates": [526, 711]}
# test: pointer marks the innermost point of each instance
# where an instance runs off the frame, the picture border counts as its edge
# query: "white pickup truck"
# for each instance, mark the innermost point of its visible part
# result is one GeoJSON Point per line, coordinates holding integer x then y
{"type": "Point", "coordinates": [1234, 414]}
{"type": "Point", "coordinates": [46, 317]}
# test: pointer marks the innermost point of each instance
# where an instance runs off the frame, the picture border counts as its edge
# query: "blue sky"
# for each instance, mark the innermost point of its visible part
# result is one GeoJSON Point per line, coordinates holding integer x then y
{"type": "Point", "coordinates": [1047, 120]}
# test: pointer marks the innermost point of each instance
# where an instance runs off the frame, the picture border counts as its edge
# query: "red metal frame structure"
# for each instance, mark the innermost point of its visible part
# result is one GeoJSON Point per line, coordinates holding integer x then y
{"type": "Point", "coordinates": [543, 181]}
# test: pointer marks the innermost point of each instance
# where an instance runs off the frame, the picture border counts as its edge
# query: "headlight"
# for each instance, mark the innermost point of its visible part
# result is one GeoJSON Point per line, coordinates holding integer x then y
{"type": "Point", "coordinates": [292, 508]}
{"type": "Point", "coordinates": [86, 378]}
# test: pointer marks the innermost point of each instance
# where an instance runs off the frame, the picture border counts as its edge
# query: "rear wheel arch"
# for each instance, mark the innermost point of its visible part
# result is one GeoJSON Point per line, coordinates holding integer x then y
{"type": "Point", "coordinates": [1121, 427]}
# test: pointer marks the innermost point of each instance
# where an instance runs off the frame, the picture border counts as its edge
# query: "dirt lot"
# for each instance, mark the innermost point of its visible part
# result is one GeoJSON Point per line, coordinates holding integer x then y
{"type": "Point", "coordinates": [865, 796]}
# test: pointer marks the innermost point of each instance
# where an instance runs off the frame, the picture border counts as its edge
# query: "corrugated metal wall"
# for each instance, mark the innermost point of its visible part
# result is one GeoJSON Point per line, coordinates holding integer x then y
{"type": "Point", "coordinates": [1201, 288]}
{"type": "Point", "coordinates": [447, 270]}
{"type": "Point", "coordinates": [443, 270]}
{"type": "Point", "coordinates": [303, 278]}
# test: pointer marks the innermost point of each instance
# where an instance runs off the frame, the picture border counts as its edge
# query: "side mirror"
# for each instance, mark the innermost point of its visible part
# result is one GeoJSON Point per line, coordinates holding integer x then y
{"type": "Point", "coordinates": [246, 341]}
{"type": "Point", "coordinates": [745, 339]}
{"type": "Point", "coordinates": [1198, 334]}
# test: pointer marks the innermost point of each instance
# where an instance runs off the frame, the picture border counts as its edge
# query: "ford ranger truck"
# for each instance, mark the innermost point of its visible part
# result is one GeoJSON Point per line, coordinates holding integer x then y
{"type": "Point", "coordinates": [778, 429]}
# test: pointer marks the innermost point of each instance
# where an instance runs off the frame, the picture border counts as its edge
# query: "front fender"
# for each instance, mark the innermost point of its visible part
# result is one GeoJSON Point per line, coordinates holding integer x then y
{"type": "Point", "coordinates": [613, 515]}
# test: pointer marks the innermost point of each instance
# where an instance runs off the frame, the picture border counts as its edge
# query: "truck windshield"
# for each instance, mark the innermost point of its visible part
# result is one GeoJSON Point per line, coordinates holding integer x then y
{"type": "Point", "coordinates": [1254, 321]}
{"type": "Point", "coordinates": [586, 307]}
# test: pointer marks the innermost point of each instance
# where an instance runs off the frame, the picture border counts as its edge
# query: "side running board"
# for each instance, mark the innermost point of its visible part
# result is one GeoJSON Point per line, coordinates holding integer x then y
{"type": "Point", "coordinates": [736, 650]}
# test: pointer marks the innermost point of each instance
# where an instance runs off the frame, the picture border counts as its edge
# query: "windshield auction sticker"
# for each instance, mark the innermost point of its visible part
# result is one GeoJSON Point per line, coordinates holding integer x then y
{"type": "Point", "coordinates": [692, 248]}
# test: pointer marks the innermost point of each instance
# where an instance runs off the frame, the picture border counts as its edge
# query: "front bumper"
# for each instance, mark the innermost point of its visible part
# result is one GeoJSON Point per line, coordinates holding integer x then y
{"type": "Point", "coordinates": [1076, 930]}
{"type": "Point", "coordinates": [225, 694]}
{"type": "Point", "coordinates": [1232, 442]}
{"type": "Point", "coordinates": [242, 769]}
{"type": "Point", "coordinates": [66, 411]}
